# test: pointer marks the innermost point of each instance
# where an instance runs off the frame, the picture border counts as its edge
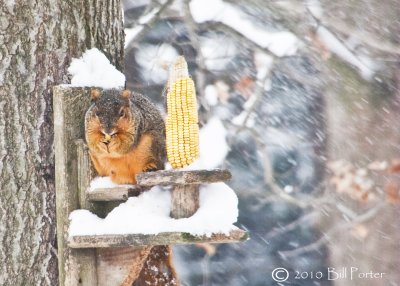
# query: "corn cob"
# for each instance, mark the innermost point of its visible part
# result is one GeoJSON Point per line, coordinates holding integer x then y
{"type": "Point", "coordinates": [182, 128]}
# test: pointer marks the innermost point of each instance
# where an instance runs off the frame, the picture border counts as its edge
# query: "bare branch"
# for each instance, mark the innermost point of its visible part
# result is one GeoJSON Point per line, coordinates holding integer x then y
{"type": "Point", "coordinates": [327, 236]}
{"type": "Point", "coordinates": [149, 20]}
{"type": "Point", "coordinates": [239, 36]}
{"type": "Point", "coordinates": [194, 39]}
{"type": "Point", "coordinates": [293, 225]}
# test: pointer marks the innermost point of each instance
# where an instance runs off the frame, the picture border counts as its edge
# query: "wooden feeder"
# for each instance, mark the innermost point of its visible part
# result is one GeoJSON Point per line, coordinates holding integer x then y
{"type": "Point", "coordinates": [107, 259]}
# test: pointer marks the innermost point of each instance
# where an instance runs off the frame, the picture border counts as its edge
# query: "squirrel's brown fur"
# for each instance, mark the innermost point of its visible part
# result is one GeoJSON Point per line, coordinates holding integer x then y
{"type": "Point", "coordinates": [125, 134]}
{"type": "Point", "coordinates": [136, 131]}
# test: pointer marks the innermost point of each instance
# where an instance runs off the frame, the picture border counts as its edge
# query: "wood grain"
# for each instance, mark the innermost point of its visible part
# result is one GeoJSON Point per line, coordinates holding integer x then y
{"type": "Point", "coordinates": [165, 238]}
{"type": "Point", "coordinates": [165, 178]}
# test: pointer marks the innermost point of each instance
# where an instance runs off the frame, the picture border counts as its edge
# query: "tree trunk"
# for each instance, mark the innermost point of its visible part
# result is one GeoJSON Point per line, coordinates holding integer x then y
{"type": "Point", "coordinates": [37, 41]}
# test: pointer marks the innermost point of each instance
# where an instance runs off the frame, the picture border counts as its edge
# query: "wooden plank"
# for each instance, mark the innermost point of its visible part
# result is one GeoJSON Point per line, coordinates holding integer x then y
{"type": "Point", "coordinates": [69, 109]}
{"type": "Point", "coordinates": [175, 178]}
{"type": "Point", "coordinates": [87, 258]}
{"type": "Point", "coordinates": [114, 194]}
{"type": "Point", "coordinates": [168, 177]}
{"type": "Point", "coordinates": [85, 173]}
{"type": "Point", "coordinates": [124, 240]}
{"type": "Point", "coordinates": [114, 263]}
{"type": "Point", "coordinates": [184, 200]}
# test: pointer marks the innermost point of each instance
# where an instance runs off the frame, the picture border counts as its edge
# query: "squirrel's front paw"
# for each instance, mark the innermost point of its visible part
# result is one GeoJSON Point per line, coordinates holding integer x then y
{"type": "Point", "coordinates": [151, 167]}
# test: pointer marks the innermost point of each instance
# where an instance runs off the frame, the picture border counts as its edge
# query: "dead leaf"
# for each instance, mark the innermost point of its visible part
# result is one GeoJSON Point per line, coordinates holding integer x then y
{"type": "Point", "coordinates": [245, 86]}
{"type": "Point", "coordinates": [392, 193]}
{"type": "Point", "coordinates": [378, 166]}
{"type": "Point", "coordinates": [394, 166]}
{"type": "Point", "coordinates": [360, 231]}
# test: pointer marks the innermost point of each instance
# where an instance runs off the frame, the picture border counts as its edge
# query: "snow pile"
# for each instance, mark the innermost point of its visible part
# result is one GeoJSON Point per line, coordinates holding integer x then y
{"type": "Point", "coordinates": [211, 95]}
{"type": "Point", "coordinates": [364, 65]}
{"type": "Point", "coordinates": [131, 33]}
{"type": "Point", "coordinates": [154, 61]}
{"type": "Point", "coordinates": [213, 146]}
{"type": "Point", "coordinates": [94, 69]}
{"type": "Point", "coordinates": [279, 43]}
{"type": "Point", "coordinates": [149, 214]}
{"type": "Point", "coordinates": [315, 8]}
{"type": "Point", "coordinates": [104, 182]}
{"type": "Point", "coordinates": [218, 52]}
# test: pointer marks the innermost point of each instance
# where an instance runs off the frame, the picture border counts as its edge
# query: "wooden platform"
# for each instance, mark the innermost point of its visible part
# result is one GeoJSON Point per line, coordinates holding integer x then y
{"type": "Point", "coordinates": [107, 260]}
{"type": "Point", "coordinates": [125, 240]}
{"type": "Point", "coordinates": [160, 178]}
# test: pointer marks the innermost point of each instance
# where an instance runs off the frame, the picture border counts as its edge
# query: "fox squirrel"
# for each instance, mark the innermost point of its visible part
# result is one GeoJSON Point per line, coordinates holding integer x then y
{"type": "Point", "coordinates": [125, 134]}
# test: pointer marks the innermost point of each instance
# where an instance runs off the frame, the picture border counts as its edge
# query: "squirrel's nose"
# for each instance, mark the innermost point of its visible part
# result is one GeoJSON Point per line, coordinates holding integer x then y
{"type": "Point", "coordinates": [107, 137]}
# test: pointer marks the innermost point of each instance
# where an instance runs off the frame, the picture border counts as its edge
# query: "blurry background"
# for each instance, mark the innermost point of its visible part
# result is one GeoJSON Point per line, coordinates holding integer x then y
{"type": "Point", "coordinates": [301, 101]}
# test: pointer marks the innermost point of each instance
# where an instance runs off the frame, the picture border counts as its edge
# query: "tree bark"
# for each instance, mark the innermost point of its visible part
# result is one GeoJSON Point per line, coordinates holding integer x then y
{"type": "Point", "coordinates": [37, 41]}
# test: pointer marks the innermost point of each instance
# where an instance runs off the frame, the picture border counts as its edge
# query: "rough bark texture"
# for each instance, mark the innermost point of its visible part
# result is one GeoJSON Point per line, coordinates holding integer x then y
{"type": "Point", "coordinates": [37, 41]}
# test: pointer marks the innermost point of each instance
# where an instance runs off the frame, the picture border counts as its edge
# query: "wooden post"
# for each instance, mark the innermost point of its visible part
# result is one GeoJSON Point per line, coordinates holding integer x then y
{"type": "Point", "coordinates": [86, 259]}
{"type": "Point", "coordinates": [184, 200]}
{"type": "Point", "coordinates": [185, 190]}
{"type": "Point", "coordinates": [69, 109]}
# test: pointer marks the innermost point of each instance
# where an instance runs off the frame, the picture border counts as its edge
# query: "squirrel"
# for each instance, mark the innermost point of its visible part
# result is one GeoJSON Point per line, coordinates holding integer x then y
{"type": "Point", "coordinates": [125, 134]}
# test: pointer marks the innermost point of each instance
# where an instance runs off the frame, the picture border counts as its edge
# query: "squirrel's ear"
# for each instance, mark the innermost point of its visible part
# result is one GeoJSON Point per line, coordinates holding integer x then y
{"type": "Point", "coordinates": [126, 93]}
{"type": "Point", "coordinates": [95, 94]}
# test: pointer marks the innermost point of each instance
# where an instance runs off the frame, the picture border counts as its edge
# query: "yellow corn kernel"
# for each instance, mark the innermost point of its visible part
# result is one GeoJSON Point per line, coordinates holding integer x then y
{"type": "Point", "coordinates": [182, 128]}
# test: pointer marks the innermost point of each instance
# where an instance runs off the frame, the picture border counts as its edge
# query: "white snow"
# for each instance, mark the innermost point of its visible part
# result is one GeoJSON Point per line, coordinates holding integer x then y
{"type": "Point", "coordinates": [365, 67]}
{"type": "Point", "coordinates": [277, 137]}
{"type": "Point", "coordinates": [154, 61]}
{"type": "Point", "coordinates": [280, 43]}
{"type": "Point", "coordinates": [263, 63]}
{"type": "Point", "coordinates": [211, 95]}
{"type": "Point", "coordinates": [128, 4]}
{"type": "Point", "coordinates": [147, 18]}
{"type": "Point", "coordinates": [104, 182]}
{"type": "Point", "coordinates": [218, 52]}
{"type": "Point", "coordinates": [94, 69]}
{"type": "Point", "coordinates": [315, 8]}
{"type": "Point", "coordinates": [213, 146]}
{"type": "Point", "coordinates": [149, 214]}
{"type": "Point", "coordinates": [131, 33]}
{"type": "Point", "coordinates": [288, 189]}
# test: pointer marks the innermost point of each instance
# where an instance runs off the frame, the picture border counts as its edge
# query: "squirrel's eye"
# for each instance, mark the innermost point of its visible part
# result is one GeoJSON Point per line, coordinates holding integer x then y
{"type": "Point", "coordinates": [97, 114]}
{"type": "Point", "coordinates": [122, 113]}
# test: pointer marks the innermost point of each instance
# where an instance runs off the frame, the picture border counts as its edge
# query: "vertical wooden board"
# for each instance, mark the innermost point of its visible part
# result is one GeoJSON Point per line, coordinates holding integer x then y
{"type": "Point", "coordinates": [184, 200]}
{"type": "Point", "coordinates": [69, 106]}
{"type": "Point", "coordinates": [116, 263]}
{"type": "Point", "coordinates": [85, 173]}
{"type": "Point", "coordinates": [86, 259]}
